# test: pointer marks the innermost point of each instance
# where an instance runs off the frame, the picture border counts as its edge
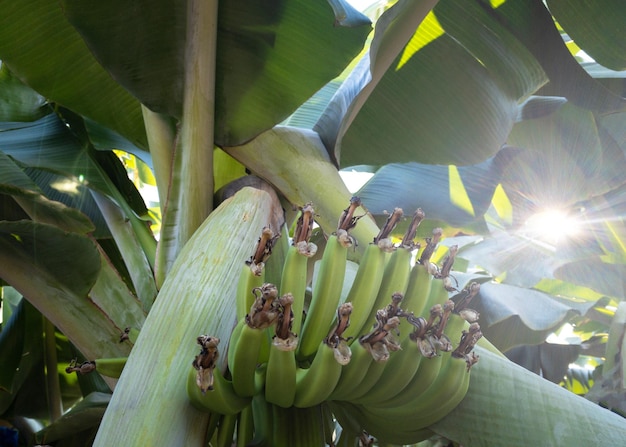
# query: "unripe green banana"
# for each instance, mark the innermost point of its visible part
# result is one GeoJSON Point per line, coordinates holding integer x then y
{"type": "Point", "coordinates": [222, 399]}
{"type": "Point", "coordinates": [252, 339]}
{"type": "Point", "coordinates": [353, 373]}
{"type": "Point", "coordinates": [316, 383]}
{"type": "Point", "coordinates": [226, 430]}
{"type": "Point", "coordinates": [395, 280]}
{"type": "Point", "coordinates": [248, 281]}
{"type": "Point", "coordinates": [385, 431]}
{"type": "Point", "coordinates": [417, 298]}
{"type": "Point", "coordinates": [294, 277]}
{"type": "Point", "coordinates": [428, 368]}
{"type": "Point", "coordinates": [111, 367]}
{"type": "Point", "coordinates": [364, 289]}
{"type": "Point", "coordinates": [253, 273]}
{"type": "Point", "coordinates": [450, 392]}
{"type": "Point", "coordinates": [245, 427]}
{"type": "Point", "coordinates": [440, 398]}
{"type": "Point", "coordinates": [398, 372]}
{"type": "Point", "coordinates": [245, 357]}
{"type": "Point", "coordinates": [326, 295]}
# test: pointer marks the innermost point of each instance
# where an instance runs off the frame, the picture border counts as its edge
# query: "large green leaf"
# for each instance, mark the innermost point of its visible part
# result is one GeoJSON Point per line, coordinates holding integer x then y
{"type": "Point", "coordinates": [271, 57]}
{"type": "Point", "coordinates": [17, 101]}
{"type": "Point", "coordinates": [458, 196]}
{"type": "Point", "coordinates": [569, 158]}
{"type": "Point", "coordinates": [597, 27]}
{"type": "Point", "coordinates": [512, 316]}
{"type": "Point", "coordinates": [56, 271]}
{"type": "Point", "coordinates": [478, 70]}
{"type": "Point", "coordinates": [532, 24]}
{"type": "Point", "coordinates": [508, 405]}
{"type": "Point", "coordinates": [43, 50]}
{"type": "Point", "coordinates": [601, 276]}
{"type": "Point", "coordinates": [27, 194]}
{"type": "Point", "coordinates": [83, 416]}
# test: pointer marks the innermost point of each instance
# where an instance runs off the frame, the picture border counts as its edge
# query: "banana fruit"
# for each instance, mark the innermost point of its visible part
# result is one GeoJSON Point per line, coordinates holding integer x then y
{"type": "Point", "coordinates": [390, 357]}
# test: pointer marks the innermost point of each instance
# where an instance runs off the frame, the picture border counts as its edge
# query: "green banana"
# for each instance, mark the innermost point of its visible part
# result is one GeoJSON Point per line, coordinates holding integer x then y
{"type": "Point", "coordinates": [252, 274]}
{"type": "Point", "coordinates": [451, 392]}
{"type": "Point", "coordinates": [251, 339]}
{"type": "Point", "coordinates": [226, 430]}
{"type": "Point", "coordinates": [418, 296]}
{"type": "Point", "coordinates": [263, 421]}
{"type": "Point", "coordinates": [280, 375]}
{"type": "Point", "coordinates": [397, 374]}
{"type": "Point", "coordinates": [316, 383]}
{"type": "Point", "coordinates": [248, 282]}
{"type": "Point", "coordinates": [245, 427]}
{"type": "Point", "coordinates": [245, 357]}
{"type": "Point", "coordinates": [326, 295]}
{"type": "Point", "coordinates": [398, 268]}
{"type": "Point", "coordinates": [221, 399]}
{"type": "Point", "coordinates": [365, 287]}
{"type": "Point", "coordinates": [111, 367]}
{"type": "Point", "coordinates": [385, 431]}
{"type": "Point", "coordinates": [439, 399]}
{"type": "Point", "coordinates": [353, 373]}
{"type": "Point", "coordinates": [294, 277]}
{"type": "Point", "coordinates": [395, 279]}
{"type": "Point", "coordinates": [428, 368]}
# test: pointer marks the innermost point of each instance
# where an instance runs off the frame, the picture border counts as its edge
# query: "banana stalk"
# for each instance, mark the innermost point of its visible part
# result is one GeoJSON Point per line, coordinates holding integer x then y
{"type": "Point", "coordinates": [289, 152]}
{"type": "Point", "coordinates": [197, 297]}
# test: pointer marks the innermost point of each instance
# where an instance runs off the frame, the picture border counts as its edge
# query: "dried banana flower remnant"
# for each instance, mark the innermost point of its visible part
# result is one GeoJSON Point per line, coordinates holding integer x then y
{"type": "Point", "coordinates": [431, 246]}
{"type": "Point", "coordinates": [263, 250]}
{"type": "Point", "coordinates": [284, 338]}
{"type": "Point", "coordinates": [265, 310]}
{"type": "Point", "coordinates": [206, 361]}
{"type": "Point", "coordinates": [335, 339]}
{"type": "Point", "coordinates": [83, 368]}
{"type": "Point", "coordinates": [348, 221]}
{"type": "Point", "coordinates": [407, 240]}
{"type": "Point", "coordinates": [469, 339]}
{"type": "Point", "coordinates": [383, 239]}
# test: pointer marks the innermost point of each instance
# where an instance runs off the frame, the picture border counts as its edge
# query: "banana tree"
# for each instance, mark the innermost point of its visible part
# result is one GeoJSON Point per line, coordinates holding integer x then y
{"type": "Point", "coordinates": [450, 104]}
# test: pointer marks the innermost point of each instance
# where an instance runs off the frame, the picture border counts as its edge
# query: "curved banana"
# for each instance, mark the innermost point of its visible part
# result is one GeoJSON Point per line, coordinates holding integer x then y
{"type": "Point", "coordinates": [252, 339]}
{"type": "Point", "coordinates": [253, 273]}
{"type": "Point", "coordinates": [397, 374]}
{"type": "Point", "coordinates": [246, 349]}
{"type": "Point", "coordinates": [111, 367]}
{"type": "Point", "coordinates": [326, 296]}
{"type": "Point", "coordinates": [294, 277]}
{"type": "Point", "coordinates": [395, 279]}
{"type": "Point", "coordinates": [452, 390]}
{"type": "Point", "coordinates": [316, 383]}
{"type": "Point", "coordinates": [418, 296]}
{"type": "Point", "coordinates": [439, 399]}
{"type": "Point", "coordinates": [245, 427]}
{"type": "Point", "coordinates": [226, 430]}
{"type": "Point", "coordinates": [221, 399]}
{"type": "Point", "coordinates": [280, 374]}
{"type": "Point", "coordinates": [364, 289]}
{"type": "Point", "coordinates": [387, 432]}
{"type": "Point", "coordinates": [353, 373]}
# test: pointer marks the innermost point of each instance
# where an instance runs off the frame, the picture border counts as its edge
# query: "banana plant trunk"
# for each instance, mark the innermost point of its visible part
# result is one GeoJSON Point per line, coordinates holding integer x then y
{"type": "Point", "coordinates": [150, 404]}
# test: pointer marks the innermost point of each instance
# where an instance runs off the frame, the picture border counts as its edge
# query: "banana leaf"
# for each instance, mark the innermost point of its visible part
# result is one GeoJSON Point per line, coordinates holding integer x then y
{"type": "Point", "coordinates": [44, 51]}
{"type": "Point", "coordinates": [540, 412]}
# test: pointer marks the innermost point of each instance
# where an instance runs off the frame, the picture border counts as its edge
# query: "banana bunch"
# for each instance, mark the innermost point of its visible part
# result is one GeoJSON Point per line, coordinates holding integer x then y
{"type": "Point", "coordinates": [389, 358]}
